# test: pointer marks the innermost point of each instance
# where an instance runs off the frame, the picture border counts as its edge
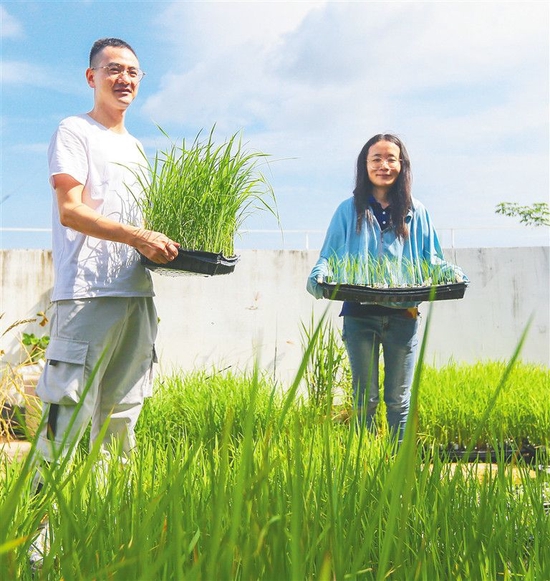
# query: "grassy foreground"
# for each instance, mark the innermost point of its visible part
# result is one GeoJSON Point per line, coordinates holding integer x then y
{"type": "Point", "coordinates": [233, 480]}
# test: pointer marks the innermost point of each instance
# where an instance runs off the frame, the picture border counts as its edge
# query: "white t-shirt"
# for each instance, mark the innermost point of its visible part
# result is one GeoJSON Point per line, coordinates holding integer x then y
{"type": "Point", "coordinates": [101, 160]}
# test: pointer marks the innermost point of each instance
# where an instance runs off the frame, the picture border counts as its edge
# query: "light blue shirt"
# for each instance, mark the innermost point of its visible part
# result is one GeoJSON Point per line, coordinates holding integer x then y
{"type": "Point", "coordinates": [374, 245]}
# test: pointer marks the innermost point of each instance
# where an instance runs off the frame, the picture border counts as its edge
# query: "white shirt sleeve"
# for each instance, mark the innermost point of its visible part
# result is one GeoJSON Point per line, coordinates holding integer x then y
{"type": "Point", "coordinates": [67, 155]}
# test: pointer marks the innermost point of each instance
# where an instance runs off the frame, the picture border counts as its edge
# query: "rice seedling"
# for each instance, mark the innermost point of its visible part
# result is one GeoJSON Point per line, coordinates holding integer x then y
{"type": "Point", "coordinates": [455, 396]}
{"type": "Point", "coordinates": [200, 194]}
{"type": "Point", "coordinates": [268, 490]}
{"type": "Point", "coordinates": [308, 503]}
{"type": "Point", "coordinates": [327, 371]}
{"type": "Point", "coordinates": [387, 272]}
{"type": "Point", "coordinates": [198, 404]}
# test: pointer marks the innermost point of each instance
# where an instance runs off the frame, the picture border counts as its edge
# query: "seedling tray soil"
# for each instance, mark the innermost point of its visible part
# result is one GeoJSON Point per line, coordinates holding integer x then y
{"type": "Point", "coordinates": [368, 294]}
{"type": "Point", "coordinates": [193, 262]}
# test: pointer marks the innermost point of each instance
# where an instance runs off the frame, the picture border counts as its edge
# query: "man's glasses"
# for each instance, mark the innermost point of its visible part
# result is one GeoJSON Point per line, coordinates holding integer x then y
{"type": "Point", "coordinates": [115, 70]}
{"type": "Point", "coordinates": [377, 162]}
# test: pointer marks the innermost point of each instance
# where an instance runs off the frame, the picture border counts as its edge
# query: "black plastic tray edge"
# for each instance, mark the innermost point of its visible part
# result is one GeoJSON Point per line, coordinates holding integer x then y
{"type": "Point", "coordinates": [193, 263]}
{"type": "Point", "coordinates": [356, 293]}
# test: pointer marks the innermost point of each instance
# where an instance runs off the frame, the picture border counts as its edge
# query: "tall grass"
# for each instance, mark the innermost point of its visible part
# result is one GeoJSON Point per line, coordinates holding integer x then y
{"type": "Point", "coordinates": [327, 371]}
{"type": "Point", "coordinates": [455, 397]}
{"type": "Point", "coordinates": [233, 480]}
{"type": "Point", "coordinates": [200, 194]}
{"type": "Point", "coordinates": [194, 407]}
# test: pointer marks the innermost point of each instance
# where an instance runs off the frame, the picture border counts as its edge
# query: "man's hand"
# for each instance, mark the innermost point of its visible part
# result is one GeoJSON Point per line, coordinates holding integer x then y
{"type": "Point", "coordinates": [156, 246]}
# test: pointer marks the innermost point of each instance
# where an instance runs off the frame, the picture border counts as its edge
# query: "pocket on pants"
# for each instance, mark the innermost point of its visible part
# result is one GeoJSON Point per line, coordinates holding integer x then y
{"type": "Point", "coordinates": [139, 380]}
{"type": "Point", "coordinates": [63, 378]}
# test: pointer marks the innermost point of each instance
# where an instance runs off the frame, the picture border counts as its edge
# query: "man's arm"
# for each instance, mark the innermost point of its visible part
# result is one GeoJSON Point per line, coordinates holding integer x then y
{"type": "Point", "coordinates": [73, 213]}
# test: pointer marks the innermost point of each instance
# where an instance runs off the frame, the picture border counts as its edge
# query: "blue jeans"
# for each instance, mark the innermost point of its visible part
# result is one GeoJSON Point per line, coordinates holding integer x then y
{"type": "Point", "coordinates": [397, 335]}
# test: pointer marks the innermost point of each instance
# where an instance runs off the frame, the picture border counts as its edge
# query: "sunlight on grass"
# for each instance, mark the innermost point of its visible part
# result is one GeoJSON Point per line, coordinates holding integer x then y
{"type": "Point", "coordinates": [235, 478]}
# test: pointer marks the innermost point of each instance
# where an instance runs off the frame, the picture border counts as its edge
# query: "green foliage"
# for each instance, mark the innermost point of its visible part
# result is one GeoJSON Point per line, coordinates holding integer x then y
{"type": "Point", "coordinates": [190, 407]}
{"type": "Point", "coordinates": [312, 500]}
{"type": "Point", "coordinates": [387, 272]}
{"type": "Point", "coordinates": [537, 214]}
{"type": "Point", "coordinates": [454, 398]}
{"type": "Point", "coordinates": [234, 481]}
{"type": "Point", "coordinates": [327, 373]}
{"type": "Point", "coordinates": [12, 386]}
{"type": "Point", "coordinates": [35, 346]}
{"type": "Point", "coordinates": [200, 194]}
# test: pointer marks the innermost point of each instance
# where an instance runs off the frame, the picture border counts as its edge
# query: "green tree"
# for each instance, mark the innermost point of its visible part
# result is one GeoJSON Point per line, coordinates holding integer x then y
{"type": "Point", "coordinates": [535, 215]}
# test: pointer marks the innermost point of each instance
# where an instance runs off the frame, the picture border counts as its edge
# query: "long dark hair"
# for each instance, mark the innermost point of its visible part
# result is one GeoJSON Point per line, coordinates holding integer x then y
{"type": "Point", "coordinates": [399, 195]}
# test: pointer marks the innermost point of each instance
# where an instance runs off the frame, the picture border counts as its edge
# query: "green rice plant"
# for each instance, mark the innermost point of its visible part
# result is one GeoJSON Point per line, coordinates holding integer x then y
{"type": "Point", "coordinates": [192, 406]}
{"type": "Point", "coordinates": [455, 396]}
{"type": "Point", "coordinates": [200, 194]}
{"type": "Point", "coordinates": [388, 272]}
{"type": "Point", "coordinates": [327, 371]}
{"type": "Point", "coordinates": [310, 501]}
{"type": "Point", "coordinates": [268, 492]}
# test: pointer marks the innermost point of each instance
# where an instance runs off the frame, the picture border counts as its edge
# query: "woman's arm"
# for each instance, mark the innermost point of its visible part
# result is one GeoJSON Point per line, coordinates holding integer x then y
{"type": "Point", "coordinates": [334, 244]}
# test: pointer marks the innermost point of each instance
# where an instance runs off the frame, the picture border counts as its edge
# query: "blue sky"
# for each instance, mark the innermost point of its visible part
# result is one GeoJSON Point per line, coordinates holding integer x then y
{"type": "Point", "coordinates": [464, 84]}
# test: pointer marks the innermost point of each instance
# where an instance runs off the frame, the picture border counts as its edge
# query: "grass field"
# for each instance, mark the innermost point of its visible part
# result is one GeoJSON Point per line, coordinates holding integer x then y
{"type": "Point", "coordinates": [235, 478]}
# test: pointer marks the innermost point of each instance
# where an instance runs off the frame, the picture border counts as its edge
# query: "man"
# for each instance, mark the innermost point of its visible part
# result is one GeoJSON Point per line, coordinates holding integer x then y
{"type": "Point", "coordinates": [102, 295]}
{"type": "Point", "coordinates": [104, 322]}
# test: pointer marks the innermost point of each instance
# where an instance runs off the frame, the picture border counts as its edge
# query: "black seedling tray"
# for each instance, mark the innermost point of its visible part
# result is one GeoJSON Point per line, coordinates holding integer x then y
{"type": "Point", "coordinates": [193, 262]}
{"type": "Point", "coordinates": [368, 294]}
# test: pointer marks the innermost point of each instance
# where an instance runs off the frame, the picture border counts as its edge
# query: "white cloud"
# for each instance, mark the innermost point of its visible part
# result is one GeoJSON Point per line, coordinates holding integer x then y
{"type": "Point", "coordinates": [34, 148]}
{"type": "Point", "coordinates": [19, 72]}
{"type": "Point", "coordinates": [313, 81]}
{"type": "Point", "coordinates": [208, 29]}
{"type": "Point", "coordinates": [226, 73]}
{"type": "Point", "coordinates": [9, 26]}
{"type": "Point", "coordinates": [288, 63]}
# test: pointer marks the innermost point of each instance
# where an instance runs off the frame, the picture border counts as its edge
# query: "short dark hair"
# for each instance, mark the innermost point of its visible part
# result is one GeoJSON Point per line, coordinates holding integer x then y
{"type": "Point", "coordinates": [400, 193]}
{"type": "Point", "coordinates": [102, 43]}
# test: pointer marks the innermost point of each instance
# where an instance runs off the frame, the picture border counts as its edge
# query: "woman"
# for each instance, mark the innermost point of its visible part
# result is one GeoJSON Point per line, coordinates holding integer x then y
{"type": "Point", "coordinates": [389, 234]}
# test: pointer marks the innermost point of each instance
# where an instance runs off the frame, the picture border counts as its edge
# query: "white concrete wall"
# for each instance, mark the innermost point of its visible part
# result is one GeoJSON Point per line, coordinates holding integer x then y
{"type": "Point", "coordinates": [257, 311]}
